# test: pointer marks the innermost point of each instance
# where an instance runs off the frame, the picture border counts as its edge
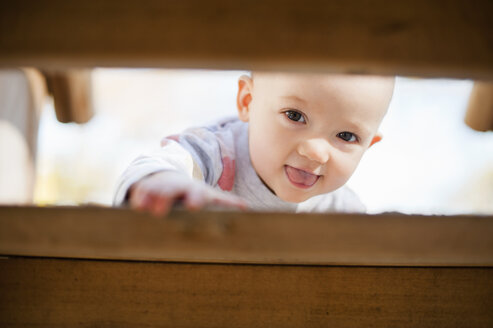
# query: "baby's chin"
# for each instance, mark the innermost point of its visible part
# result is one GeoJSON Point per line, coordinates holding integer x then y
{"type": "Point", "coordinates": [294, 197]}
{"type": "Point", "coordinates": [290, 195]}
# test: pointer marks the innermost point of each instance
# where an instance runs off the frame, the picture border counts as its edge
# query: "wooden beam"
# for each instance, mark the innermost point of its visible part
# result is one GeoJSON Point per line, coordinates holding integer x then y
{"type": "Point", "coordinates": [84, 293]}
{"type": "Point", "coordinates": [449, 38]}
{"type": "Point", "coordinates": [234, 237]}
{"type": "Point", "coordinates": [479, 115]}
{"type": "Point", "coordinates": [72, 94]}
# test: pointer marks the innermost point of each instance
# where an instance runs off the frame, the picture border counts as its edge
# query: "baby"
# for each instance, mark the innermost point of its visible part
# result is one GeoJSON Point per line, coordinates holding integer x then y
{"type": "Point", "coordinates": [298, 138]}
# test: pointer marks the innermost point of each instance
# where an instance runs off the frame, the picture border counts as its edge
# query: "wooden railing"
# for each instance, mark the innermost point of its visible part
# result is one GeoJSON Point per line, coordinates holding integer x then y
{"type": "Point", "coordinates": [102, 267]}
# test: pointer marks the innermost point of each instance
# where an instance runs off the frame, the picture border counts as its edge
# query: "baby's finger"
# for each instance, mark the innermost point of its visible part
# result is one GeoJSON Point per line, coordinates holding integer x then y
{"type": "Point", "coordinates": [161, 205]}
{"type": "Point", "coordinates": [139, 200]}
{"type": "Point", "coordinates": [195, 199]}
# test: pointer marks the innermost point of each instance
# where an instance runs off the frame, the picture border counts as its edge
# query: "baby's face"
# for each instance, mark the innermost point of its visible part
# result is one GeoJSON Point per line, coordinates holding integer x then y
{"type": "Point", "coordinates": [308, 132]}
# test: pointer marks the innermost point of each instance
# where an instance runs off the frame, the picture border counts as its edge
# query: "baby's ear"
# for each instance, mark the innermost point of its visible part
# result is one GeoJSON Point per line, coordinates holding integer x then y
{"type": "Point", "coordinates": [245, 84]}
{"type": "Point", "coordinates": [378, 137]}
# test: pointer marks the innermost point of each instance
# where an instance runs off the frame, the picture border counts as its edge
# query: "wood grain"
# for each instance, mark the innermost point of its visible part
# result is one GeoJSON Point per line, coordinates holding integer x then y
{"type": "Point", "coordinates": [234, 237]}
{"type": "Point", "coordinates": [83, 293]}
{"type": "Point", "coordinates": [452, 38]}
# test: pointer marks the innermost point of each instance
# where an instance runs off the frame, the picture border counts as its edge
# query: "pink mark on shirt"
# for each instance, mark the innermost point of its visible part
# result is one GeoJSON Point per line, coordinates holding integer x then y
{"type": "Point", "coordinates": [227, 179]}
{"type": "Point", "coordinates": [174, 137]}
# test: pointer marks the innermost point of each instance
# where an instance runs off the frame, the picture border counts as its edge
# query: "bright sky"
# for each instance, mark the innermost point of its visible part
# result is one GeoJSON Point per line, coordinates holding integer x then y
{"type": "Point", "coordinates": [429, 161]}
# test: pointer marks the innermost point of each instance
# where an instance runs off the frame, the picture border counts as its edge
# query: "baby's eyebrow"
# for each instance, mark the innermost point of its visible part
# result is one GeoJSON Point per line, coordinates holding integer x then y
{"type": "Point", "coordinates": [295, 98]}
{"type": "Point", "coordinates": [357, 127]}
{"type": "Point", "coordinates": [362, 131]}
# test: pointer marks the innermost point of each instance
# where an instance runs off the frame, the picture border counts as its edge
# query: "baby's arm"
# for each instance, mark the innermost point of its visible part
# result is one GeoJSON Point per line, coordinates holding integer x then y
{"type": "Point", "coordinates": [171, 174]}
{"type": "Point", "coordinates": [156, 193]}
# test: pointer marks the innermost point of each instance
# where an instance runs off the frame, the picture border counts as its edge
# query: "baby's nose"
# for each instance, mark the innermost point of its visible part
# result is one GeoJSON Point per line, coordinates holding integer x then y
{"type": "Point", "coordinates": [315, 149]}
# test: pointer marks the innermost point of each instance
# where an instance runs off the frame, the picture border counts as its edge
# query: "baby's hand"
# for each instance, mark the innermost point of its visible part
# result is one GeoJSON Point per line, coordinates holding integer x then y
{"type": "Point", "coordinates": [158, 192]}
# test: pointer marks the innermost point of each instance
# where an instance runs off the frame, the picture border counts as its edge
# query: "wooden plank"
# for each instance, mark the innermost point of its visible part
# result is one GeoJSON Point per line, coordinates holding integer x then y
{"type": "Point", "coordinates": [72, 94]}
{"type": "Point", "coordinates": [452, 38]}
{"type": "Point", "coordinates": [83, 293]}
{"type": "Point", "coordinates": [479, 114]}
{"type": "Point", "coordinates": [235, 237]}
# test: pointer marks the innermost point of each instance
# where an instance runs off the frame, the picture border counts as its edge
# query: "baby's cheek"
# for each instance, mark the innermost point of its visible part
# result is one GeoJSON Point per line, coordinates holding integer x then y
{"type": "Point", "coordinates": [262, 163]}
{"type": "Point", "coordinates": [343, 169]}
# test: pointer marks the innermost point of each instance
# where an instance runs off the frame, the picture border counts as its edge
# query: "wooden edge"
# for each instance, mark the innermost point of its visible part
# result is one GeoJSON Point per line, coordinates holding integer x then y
{"type": "Point", "coordinates": [237, 237]}
{"type": "Point", "coordinates": [439, 38]}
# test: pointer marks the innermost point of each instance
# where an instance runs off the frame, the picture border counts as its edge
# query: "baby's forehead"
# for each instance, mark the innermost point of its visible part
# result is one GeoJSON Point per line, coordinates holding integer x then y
{"type": "Point", "coordinates": [366, 97]}
{"type": "Point", "coordinates": [339, 82]}
{"type": "Point", "coordinates": [321, 86]}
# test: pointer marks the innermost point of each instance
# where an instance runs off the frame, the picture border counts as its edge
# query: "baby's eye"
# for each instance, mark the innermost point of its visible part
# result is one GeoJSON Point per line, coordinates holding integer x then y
{"type": "Point", "coordinates": [347, 136]}
{"type": "Point", "coordinates": [295, 116]}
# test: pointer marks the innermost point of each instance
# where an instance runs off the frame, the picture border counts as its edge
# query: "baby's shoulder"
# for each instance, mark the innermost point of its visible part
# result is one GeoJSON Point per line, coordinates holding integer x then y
{"type": "Point", "coordinates": [226, 131]}
{"type": "Point", "coordinates": [225, 124]}
{"type": "Point", "coordinates": [222, 129]}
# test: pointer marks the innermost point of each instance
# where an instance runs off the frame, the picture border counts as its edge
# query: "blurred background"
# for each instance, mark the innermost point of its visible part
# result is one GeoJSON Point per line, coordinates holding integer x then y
{"type": "Point", "coordinates": [429, 161]}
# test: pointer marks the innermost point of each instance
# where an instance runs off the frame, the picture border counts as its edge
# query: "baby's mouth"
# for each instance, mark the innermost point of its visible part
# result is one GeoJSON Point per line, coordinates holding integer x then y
{"type": "Point", "coordinates": [300, 178]}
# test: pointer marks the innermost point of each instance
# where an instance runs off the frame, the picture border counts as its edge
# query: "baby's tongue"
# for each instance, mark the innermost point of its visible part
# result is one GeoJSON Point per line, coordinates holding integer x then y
{"type": "Point", "coordinates": [301, 177]}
